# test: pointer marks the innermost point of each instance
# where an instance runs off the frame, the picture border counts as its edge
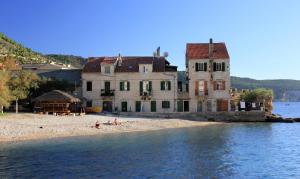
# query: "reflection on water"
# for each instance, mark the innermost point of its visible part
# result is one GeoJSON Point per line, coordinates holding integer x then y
{"type": "Point", "coordinates": [222, 151]}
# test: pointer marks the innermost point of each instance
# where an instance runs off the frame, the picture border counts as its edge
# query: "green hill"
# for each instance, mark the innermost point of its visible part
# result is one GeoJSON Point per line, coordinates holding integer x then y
{"type": "Point", "coordinates": [75, 61]}
{"type": "Point", "coordinates": [284, 90]}
{"type": "Point", "coordinates": [23, 55]}
{"type": "Point", "coordinates": [9, 47]}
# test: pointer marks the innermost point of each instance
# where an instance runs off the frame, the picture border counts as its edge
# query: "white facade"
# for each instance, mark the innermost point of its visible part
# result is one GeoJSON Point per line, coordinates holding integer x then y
{"type": "Point", "coordinates": [132, 96]}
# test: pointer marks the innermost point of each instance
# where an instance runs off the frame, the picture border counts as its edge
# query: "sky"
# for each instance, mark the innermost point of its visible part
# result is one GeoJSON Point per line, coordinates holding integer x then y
{"type": "Point", "coordinates": [262, 36]}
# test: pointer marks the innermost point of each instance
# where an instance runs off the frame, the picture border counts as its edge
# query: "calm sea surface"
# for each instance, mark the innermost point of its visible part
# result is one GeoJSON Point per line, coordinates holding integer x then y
{"type": "Point", "coordinates": [291, 109]}
{"type": "Point", "coordinates": [244, 150]}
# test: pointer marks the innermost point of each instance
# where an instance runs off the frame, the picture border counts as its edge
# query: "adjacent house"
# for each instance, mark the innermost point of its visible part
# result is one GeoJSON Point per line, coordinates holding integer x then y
{"type": "Point", "coordinates": [208, 70]}
{"type": "Point", "coordinates": [130, 84]}
{"type": "Point", "coordinates": [151, 84]}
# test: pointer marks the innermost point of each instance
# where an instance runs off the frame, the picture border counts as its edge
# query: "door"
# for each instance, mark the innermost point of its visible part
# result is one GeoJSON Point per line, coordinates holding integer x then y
{"type": "Point", "coordinates": [199, 106]}
{"type": "Point", "coordinates": [124, 106]}
{"type": "Point", "coordinates": [180, 106]}
{"type": "Point", "coordinates": [107, 86]}
{"type": "Point", "coordinates": [153, 106]}
{"type": "Point", "coordinates": [138, 106]}
{"type": "Point", "coordinates": [107, 106]}
{"type": "Point", "coordinates": [222, 105]}
{"type": "Point", "coordinates": [186, 106]}
{"type": "Point", "coordinates": [209, 106]}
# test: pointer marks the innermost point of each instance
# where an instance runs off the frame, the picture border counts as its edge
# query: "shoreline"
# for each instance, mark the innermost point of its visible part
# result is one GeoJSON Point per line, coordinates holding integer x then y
{"type": "Point", "coordinates": [26, 126]}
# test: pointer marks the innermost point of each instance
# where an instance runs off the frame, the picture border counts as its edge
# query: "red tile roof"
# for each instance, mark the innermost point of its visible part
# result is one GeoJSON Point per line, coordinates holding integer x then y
{"type": "Point", "coordinates": [129, 64]}
{"type": "Point", "coordinates": [201, 51]}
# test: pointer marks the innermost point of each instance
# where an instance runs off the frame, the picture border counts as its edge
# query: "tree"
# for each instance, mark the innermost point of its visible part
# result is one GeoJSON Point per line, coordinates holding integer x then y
{"type": "Point", "coordinates": [257, 95]}
{"type": "Point", "coordinates": [20, 85]}
{"type": "Point", "coordinates": [7, 63]}
{"type": "Point", "coordinates": [5, 96]}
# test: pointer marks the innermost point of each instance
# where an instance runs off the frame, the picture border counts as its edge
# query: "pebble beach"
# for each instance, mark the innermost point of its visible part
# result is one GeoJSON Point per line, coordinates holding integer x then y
{"type": "Point", "coordinates": [26, 126]}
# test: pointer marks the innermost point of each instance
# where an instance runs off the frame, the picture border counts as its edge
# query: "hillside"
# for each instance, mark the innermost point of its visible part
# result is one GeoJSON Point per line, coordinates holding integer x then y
{"type": "Point", "coordinates": [75, 61]}
{"type": "Point", "coordinates": [284, 90]}
{"type": "Point", "coordinates": [23, 55]}
{"type": "Point", "coordinates": [9, 47]}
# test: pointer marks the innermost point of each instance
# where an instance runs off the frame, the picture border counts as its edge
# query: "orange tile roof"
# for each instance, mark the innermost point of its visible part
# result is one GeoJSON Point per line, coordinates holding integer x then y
{"type": "Point", "coordinates": [201, 51]}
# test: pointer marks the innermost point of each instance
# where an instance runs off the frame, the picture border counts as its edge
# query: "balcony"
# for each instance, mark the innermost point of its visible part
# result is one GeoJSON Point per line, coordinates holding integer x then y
{"type": "Point", "coordinates": [146, 95]}
{"type": "Point", "coordinates": [105, 92]}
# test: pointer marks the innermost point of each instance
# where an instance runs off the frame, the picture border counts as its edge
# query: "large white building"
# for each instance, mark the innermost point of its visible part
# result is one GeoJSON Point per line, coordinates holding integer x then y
{"type": "Point", "coordinates": [130, 84]}
{"type": "Point", "coordinates": [151, 84]}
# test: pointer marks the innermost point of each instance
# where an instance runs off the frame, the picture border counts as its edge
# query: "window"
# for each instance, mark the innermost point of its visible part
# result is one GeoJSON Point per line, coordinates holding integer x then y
{"type": "Point", "coordinates": [165, 104]}
{"type": "Point", "coordinates": [124, 85]}
{"type": "Point", "coordinates": [89, 104]}
{"type": "Point", "coordinates": [165, 85]}
{"type": "Point", "coordinates": [107, 69]}
{"type": "Point", "coordinates": [145, 87]}
{"type": "Point", "coordinates": [145, 69]}
{"type": "Point", "coordinates": [219, 66]}
{"type": "Point", "coordinates": [201, 88]}
{"type": "Point", "coordinates": [201, 66]}
{"type": "Point", "coordinates": [179, 84]}
{"type": "Point", "coordinates": [124, 106]}
{"type": "Point", "coordinates": [219, 85]}
{"type": "Point", "coordinates": [89, 86]}
{"type": "Point", "coordinates": [107, 86]}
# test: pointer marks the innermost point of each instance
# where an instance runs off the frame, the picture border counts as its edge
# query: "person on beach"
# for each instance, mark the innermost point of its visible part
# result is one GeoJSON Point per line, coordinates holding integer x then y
{"type": "Point", "coordinates": [97, 125]}
{"type": "Point", "coordinates": [116, 122]}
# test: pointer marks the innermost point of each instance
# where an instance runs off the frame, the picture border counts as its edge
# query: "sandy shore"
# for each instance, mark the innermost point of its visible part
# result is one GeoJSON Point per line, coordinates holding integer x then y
{"type": "Point", "coordinates": [17, 127]}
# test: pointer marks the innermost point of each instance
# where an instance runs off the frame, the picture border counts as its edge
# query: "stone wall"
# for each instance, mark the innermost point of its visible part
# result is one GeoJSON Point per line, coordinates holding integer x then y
{"type": "Point", "coordinates": [249, 116]}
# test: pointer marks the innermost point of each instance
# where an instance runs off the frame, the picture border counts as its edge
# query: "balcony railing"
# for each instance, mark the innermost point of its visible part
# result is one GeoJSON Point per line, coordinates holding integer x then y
{"type": "Point", "coordinates": [105, 92]}
{"type": "Point", "coordinates": [146, 95]}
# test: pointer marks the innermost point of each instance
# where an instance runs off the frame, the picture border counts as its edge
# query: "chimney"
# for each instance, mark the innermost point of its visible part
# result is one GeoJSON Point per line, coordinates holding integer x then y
{"type": "Point", "coordinates": [119, 60]}
{"type": "Point", "coordinates": [158, 52]}
{"type": "Point", "coordinates": [210, 47]}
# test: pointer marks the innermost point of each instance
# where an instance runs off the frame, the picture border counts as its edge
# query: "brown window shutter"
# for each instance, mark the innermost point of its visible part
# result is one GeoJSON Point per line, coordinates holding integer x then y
{"type": "Point", "coordinates": [196, 88]}
{"type": "Point", "coordinates": [215, 85]}
{"type": "Point", "coordinates": [223, 85]}
{"type": "Point", "coordinates": [205, 88]}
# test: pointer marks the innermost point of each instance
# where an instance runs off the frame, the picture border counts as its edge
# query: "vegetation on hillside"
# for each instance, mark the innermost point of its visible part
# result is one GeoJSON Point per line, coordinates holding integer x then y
{"type": "Point", "coordinates": [75, 61]}
{"type": "Point", "coordinates": [24, 55]}
{"type": "Point", "coordinates": [280, 87]}
{"type": "Point", "coordinates": [9, 47]}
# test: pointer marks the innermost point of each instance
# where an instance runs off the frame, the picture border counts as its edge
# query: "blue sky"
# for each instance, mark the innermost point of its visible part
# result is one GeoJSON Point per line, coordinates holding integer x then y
{"type": "Point", "coordinates": [262, 37]}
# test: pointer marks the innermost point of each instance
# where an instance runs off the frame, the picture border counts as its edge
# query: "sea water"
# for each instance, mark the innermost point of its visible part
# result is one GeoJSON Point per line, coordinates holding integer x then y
{"type": "Point", "coordinates": [233, 150]}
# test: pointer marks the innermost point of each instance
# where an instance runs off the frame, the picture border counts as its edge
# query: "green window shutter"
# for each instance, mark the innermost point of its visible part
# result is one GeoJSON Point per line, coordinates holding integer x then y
{"type": "Point", "coordinates": [169, 85]}
{"type": "Point", "coordinates": [153, 106]}
{"type": "Point", "coordinates": [180, 106]}
{"type": "Point", "coordinates": [205, 66]}
{"type": "Point", "coordinates": [128, 86]}
{"type": "Point", "coordinates": [138, 106]}
{"type": "Point", "coordinates": [150, 86]}
{"type": "Point", "coordinates": [141, 88]}
{"type": "Point", "coordinates": [223, 66]}
{"type": "Point", "coordinates": [162, 85]}
{"type": "Point", "coordinates": [215, 66]}
{"type": "Point", "coordinates": [121, 86]}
